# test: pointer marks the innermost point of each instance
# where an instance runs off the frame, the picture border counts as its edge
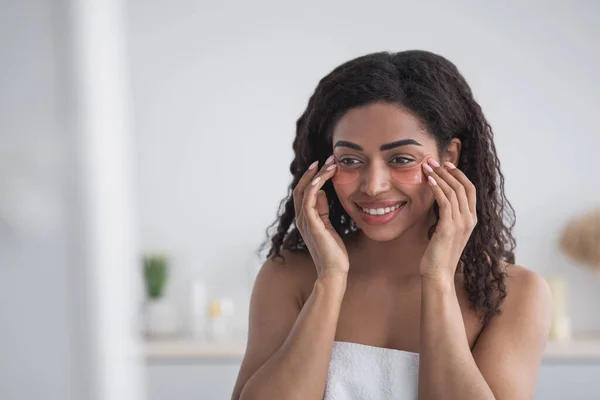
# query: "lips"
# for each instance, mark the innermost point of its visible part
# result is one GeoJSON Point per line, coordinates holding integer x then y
{"type": "Point", "coordinates": [379, 204]}
{"type": "Point", "coordinates": [381, 211]}
{"type": "Point", "coordinates": [380, 218]}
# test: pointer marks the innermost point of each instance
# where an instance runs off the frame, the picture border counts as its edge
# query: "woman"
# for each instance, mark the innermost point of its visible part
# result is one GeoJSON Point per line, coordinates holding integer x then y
{"type": "Point", "coordinates": [397, 278]}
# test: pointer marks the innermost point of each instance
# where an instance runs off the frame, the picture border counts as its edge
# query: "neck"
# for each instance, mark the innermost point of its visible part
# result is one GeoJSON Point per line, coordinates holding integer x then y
{"type": "Point", "coordinates": [398, 258]}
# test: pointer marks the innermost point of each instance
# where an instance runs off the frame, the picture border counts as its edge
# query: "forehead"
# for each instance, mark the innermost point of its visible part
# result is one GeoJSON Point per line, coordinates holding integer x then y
{"type": "Point", "coordinates": [379, 123]}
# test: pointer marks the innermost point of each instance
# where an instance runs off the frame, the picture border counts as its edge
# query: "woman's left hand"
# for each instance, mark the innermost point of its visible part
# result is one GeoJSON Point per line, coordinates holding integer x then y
{"type": "Point", "coordinates": [455, 195]}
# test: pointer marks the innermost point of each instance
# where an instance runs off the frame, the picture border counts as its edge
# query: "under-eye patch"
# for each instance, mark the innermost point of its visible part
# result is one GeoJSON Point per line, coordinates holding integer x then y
{"type": "Point", "coordinates": [412, 174]}
{"type": "Point", "coordinates": [343, 175]}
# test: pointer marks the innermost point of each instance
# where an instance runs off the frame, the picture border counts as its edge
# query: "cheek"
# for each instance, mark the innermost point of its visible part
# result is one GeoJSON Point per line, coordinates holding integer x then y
{"type": "Point", "coordinates": [412, 175]}
{"type": "Point", "coordinates": [408, 176]}
{"type": "Point", "coordinates": [344, 177]}
{"type": "Point", "coordinates": [421, 196]}
{"type": "Point", "coordinates": [344, 191]}
{"type": "Point", "coordinates": [345, 184]}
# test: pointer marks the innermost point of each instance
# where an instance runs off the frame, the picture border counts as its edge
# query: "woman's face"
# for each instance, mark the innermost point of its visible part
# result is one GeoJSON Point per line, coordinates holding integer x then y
{"type": "Point", "coordinates": [379, 150]}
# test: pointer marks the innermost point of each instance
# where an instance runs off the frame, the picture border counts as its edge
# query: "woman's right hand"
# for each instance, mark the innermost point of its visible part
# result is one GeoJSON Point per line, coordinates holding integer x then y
{"type": "Point", "coordinates": [312, 220]}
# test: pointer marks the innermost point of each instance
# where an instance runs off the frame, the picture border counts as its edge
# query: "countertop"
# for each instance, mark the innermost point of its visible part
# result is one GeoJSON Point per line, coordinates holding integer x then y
{"type": "Point", "coordinates": [192, 349]}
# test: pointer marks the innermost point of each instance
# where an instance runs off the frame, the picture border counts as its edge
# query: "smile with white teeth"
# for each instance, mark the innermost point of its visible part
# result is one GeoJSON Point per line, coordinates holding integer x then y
{"type": "Point", "coordinates": [381, 211]}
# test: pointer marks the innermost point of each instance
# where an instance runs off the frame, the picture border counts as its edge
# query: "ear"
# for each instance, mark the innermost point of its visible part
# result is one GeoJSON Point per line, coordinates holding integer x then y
{"type": "Point", "coordinates": [452, 153]}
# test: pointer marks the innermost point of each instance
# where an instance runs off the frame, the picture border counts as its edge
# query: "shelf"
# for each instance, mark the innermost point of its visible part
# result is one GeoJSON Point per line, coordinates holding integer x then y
{"type": "Point", "coordinates": [182, 349]}
{"type": "Point", "coordinates": [194, 349]}
{"type": "Point", "coordinates": [577, 349]}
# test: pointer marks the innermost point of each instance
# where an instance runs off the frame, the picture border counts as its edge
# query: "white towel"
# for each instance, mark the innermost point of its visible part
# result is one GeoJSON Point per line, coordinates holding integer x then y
{"type": "Point", "coordinates": [361, 372]}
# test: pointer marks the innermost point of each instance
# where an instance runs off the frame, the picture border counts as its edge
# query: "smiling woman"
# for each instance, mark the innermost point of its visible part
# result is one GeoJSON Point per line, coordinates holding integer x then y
{"type": "Point", "coordinates": [391, 273]}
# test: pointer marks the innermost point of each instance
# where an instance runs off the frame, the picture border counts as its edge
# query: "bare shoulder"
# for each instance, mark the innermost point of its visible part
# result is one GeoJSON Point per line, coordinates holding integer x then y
{"type": "Point", "coordinates": [293, 271]}
{"type": "Point", "coordinates": [526, 287]}
{"type": "Point", "coordinates": [527, 305]}
{"type": "Point", "coordinates": [276, 301]}
{"type": "Point", "coordinates": [291, 265]}
{"type": "Point", "coordinates": [510, 348]}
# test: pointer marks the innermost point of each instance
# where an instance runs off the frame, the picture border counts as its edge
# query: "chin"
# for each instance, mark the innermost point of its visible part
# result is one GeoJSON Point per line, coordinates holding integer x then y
{"type": "Point", "coordinates": [381, 234]}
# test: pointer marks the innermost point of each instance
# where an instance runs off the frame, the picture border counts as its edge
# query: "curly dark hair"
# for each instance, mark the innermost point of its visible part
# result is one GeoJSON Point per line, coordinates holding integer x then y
{"type": "Point", "coordinates": [432, 89]}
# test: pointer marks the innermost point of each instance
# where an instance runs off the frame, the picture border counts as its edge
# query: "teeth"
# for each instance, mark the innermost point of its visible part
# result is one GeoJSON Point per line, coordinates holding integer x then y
{"type": "Point", "coordinates": [381, 211]}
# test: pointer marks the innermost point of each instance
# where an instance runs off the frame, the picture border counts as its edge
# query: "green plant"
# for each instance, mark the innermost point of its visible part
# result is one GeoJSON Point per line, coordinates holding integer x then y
{"type": "Point", "coordinates": [155, 274]}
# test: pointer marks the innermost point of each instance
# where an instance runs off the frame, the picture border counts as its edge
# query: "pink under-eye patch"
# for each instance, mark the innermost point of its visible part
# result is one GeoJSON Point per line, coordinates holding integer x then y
{"type": "Point", "coordinates": [411, 175]}
{"type": "Point", "coordinates": [344, 176]}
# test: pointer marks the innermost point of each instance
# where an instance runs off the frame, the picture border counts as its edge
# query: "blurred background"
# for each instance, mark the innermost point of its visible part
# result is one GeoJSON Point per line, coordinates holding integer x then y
{"type": "Point", "coordinates": [145, 146]}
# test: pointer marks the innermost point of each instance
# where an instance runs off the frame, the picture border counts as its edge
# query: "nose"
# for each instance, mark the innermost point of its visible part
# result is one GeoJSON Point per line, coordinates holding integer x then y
{"type": "Point", "coordinates": [375, 180]}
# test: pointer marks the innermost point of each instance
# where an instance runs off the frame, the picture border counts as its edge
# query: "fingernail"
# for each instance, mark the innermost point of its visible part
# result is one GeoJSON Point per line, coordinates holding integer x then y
{"type": "Point", "coordinates": [313, 165]}
{"type": "Point", "coordinates": [330, 159]}
{"type": "Point", "coordinates": [316, 180]}
{"type": "Point", "coordinates": [433, 162]}
{"type": "Point", "coordinates": [428, 168]}
{"type": "Point", "coordinates": [450, 165]}
{"type": "Point", "coordinates": [430, 178]}
{"type": "Point", "coordinates": [332, 166]}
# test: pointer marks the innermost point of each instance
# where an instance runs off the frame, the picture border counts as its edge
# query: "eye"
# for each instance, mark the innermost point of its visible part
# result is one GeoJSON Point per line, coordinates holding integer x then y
{"type": "Point", "coordinates": [349, 161]}
{"type": "Point", "coordinates": [402, 160]}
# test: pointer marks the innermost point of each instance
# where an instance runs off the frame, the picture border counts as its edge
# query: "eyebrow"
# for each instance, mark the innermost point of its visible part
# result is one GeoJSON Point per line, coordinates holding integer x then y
{"type": "Point", "coordinates": [383, 147]}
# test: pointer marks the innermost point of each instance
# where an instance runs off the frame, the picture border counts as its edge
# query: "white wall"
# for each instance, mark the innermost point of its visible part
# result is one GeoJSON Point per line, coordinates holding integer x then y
{"type": "Point", "coordinates": [218, 87]}
{"type": "Point", "coordinates": [35, 338]}
{"type": "Point", "coordinates": [69, 273]}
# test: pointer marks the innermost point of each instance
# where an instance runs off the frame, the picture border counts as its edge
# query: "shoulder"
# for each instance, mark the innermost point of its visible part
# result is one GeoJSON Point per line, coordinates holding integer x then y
{"type": "Point", "coordinates": [521, 329]}
{"type": "Point", "coordinates": [510, 348]}
{"type": "Point", "coordinates": [526, 287]}
{"type": "Point", "coordinates": [290, 265]}
{"type": "Point", "coordinates": [276, 302]}
{"type": "Point", "coordinates": [293, 271]}
{"type": "Point", "coordinates": [528, 299]}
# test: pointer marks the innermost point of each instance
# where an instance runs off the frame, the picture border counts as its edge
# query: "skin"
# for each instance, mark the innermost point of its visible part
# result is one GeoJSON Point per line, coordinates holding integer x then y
{"type": "Point", "coordinates": [389, 286]}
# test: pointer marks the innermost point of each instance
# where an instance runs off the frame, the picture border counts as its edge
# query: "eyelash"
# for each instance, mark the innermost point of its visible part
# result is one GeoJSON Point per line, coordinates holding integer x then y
{"type": "Point", "coordinates": [408, 160]}
{"type": "Point", "coordinates": [343, 160]}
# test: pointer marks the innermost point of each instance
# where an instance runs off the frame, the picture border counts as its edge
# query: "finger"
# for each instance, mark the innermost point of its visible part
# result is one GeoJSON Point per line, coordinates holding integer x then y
{"type": "Point", "coordinates": [310, 193]}
{"type": "Point", "coordinates": [322, 205]}
{"type": "Point", "coordinates": [467, 185]}
{"type": "Point", "coordinates": [443, 203]}
{"type": "Point", "coordinates": [457, 186]}
{"type": "Point", "coordinates": [298, 193]}
{"type": "Point", "coordinates": [449, 193]}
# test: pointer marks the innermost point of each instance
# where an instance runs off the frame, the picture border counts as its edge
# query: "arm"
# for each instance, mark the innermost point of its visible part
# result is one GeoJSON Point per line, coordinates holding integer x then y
{"type": "Point", "coordinates": [447, 369]}
{"type": "Point", "coordinates": [289, 350]}
{"type": "Point", "coordinates": [508, 353]}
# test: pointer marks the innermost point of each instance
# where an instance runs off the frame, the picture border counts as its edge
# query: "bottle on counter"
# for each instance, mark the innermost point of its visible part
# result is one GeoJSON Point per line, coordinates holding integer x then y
{"type": "Point", "coordinates": [220, 320]}
{"type": "Point", "coordinates": [198, 309]}
{"type": "Point", "coordinates": [560, 329]}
